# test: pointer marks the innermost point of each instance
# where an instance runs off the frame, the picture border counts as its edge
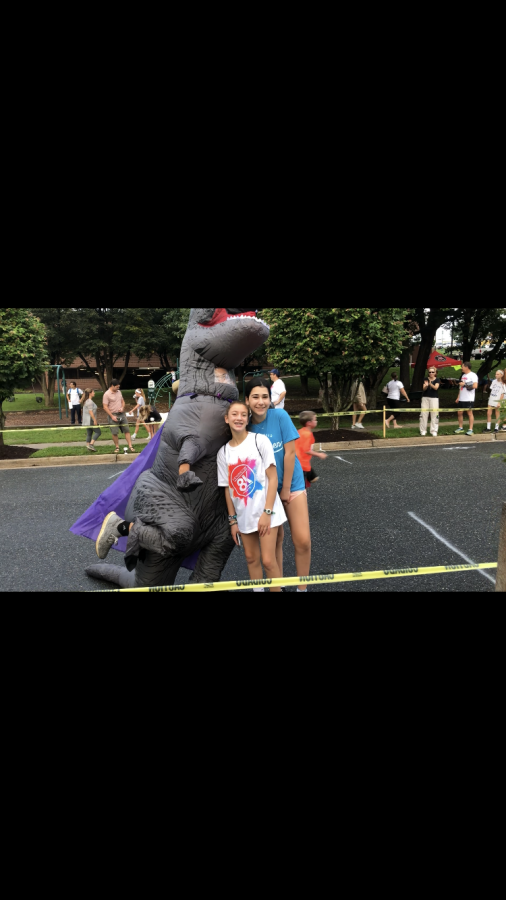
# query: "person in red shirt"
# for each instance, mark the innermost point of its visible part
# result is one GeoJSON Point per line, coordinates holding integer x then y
{"type": "Point", "coordinates": [304, 447]}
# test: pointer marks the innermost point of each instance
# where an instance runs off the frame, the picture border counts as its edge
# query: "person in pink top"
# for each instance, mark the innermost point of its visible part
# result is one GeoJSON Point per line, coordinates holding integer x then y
{"type": "Point", "coordinates": [114, 406]}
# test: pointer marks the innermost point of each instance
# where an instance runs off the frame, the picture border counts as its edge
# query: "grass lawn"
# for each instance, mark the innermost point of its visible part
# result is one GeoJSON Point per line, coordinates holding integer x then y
{"type": "Point", "coordinates": [82, 451]}
{"type": "Point", "coordinates": [47, 436]}
{"type": "Point", "coordinates": [405, 432]}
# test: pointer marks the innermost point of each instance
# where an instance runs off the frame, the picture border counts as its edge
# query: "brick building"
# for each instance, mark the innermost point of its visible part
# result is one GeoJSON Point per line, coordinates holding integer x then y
{"type": "Point", "coordinates": [140, 371]}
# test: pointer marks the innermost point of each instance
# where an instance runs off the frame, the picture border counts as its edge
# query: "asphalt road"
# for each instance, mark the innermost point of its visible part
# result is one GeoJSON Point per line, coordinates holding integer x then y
{"type": "Point", "coordinates": [360, 515]}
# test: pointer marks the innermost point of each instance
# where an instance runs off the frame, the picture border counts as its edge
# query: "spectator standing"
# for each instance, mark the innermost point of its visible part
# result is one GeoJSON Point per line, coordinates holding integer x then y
{"type": "Point", "coordinates": [278, 390]}
{"type": "Point", "coordinates": [74, 395]}
{"type": "Point", "coordinates": [394, 390]}
{"type": "Point", "coordinates": [430, 404]}
{"type": "Point", "coordinates": [304, 447]}
{"type": "Point", "coordinates": [467, 397]}
{"type": "Point", "coordinates": [360, 403]}
{"type": "Point", "coordinates": [497, 395]}
{"type": "Point", "coordinates": [140, 402]}
{"type": "Point", "coordinates": [114, 406]}
{"type": "Point", "coordinates": [90, 418]}
{"type": "Point", "coordinates": [279, 428]}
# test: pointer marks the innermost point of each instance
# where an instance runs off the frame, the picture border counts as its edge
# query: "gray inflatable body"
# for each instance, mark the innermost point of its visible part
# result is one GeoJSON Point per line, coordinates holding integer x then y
{"type": "Point", "coordinates": [175, 515]}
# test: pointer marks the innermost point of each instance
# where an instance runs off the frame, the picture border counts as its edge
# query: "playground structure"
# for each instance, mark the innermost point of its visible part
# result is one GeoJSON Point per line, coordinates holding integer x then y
{"type": "Point", "coordinates": [163, 386]}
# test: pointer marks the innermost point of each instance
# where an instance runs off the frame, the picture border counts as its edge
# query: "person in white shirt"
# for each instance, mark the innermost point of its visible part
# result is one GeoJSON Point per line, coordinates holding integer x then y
{"type": "Point", "coordinates": [467, 397]}
{"type": "Point", "coordinates": [497, 395]}
{"type": "Point", "coordinates": [74, 397]}
{"type": "Point", "coordinates": [140, 402]}
{"type": "Point", "coordinates": [395, 389]}
{"type": "Point", "coordinates": [247, 470]}
{"type": "Point", "coordinates": [278, 390]}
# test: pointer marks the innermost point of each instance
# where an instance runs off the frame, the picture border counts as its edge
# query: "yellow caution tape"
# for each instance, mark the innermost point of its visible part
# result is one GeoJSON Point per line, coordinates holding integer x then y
{"type": "Point", "coordinates": [370, 412]}
{"type": "Point", "coordinates": [297, 582]}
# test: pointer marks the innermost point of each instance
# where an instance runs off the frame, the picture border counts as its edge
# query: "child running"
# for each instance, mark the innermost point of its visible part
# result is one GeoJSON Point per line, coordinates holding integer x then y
{"type": "Point", "coordinates": [246, 466]}
{"type": "Point", "coordinates": [304, 447]}
{"type": "Point", "coordinates": [497, 395]}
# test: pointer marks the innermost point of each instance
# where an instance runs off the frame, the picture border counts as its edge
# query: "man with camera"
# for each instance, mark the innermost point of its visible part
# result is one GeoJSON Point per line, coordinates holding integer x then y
{"type": "Point", "coordinates": [466, 399]}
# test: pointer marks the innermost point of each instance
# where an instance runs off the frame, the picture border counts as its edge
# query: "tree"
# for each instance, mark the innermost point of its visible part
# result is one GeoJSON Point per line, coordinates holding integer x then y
{"type": "Point", "coordinates": [61, 329]}
{"type": "Point", "coordinates": [23, 353]}
{"type": "Point", "coordinates": [338, 346]}
{"type": "Point", "coordinates": [170, 332]}
{"type": "Point", "coordinates": [105, 335]}
{"type": "Point", "coordinates": [429, 321]}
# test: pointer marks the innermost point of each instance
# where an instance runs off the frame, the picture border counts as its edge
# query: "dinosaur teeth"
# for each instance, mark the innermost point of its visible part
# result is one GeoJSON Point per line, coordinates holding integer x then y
{"type": "Point", "coordinates": [255, 319]}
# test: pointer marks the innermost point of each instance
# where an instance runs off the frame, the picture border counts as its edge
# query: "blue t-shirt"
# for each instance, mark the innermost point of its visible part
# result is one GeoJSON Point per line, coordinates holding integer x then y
{"type": "Point", "coordinates": [280, 430]}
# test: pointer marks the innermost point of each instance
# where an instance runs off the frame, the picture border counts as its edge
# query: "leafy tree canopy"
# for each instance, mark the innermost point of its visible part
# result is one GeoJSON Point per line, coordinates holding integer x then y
{"type": "Point", "coordinates": [23, 353]}
{"type": "Point", "coordinates": [336, 345]}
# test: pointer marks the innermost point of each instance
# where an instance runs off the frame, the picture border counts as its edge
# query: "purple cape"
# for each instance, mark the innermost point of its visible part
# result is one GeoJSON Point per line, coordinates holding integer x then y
{"type": "Point", "coordinates": [116, 497]}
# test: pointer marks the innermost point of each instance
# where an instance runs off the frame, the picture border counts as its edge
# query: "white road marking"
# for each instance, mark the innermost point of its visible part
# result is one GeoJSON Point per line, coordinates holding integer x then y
{"type": "Point", "coordinates": [114, 476]}
{"type": "Point", "coordinates": [457, 448]}
{"type": "Point", "coordinates": [343, 460]}
{"type": "Point", "coordinates": [443, 540]}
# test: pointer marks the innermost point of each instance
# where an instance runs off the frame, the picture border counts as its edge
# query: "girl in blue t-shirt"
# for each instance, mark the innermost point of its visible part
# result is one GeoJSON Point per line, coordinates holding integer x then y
{"type": "Point", "coordinates": [279, 428]}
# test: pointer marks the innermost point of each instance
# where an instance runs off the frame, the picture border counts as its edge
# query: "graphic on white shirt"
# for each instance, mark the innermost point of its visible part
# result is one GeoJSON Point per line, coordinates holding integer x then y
{"type": "Point", "coordinates": [466, 396]}
{"type": "Point", "coordinates": [243, 471]}
{"type": "Point", "coordinates": [497, 389]}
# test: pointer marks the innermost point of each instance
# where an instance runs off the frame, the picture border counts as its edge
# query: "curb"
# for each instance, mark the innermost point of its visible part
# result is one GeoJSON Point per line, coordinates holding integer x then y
{"type": "Point", "coordinates": [58, 461]}
{"type": "Point", "coordinates": [413, 442]}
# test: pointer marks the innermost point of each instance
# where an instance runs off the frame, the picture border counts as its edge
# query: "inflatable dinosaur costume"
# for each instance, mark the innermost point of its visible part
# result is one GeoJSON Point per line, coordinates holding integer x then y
{"type": "Point", "coordinates": [176, 506]}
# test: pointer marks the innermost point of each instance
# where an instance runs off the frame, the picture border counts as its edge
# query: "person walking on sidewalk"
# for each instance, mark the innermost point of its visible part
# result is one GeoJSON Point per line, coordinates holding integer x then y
{"type": "Point", "coordinates": [430, 404]}
{"type": "Point", "coordinates": [74, 395]}
{"type": "Point", "coordinates": [114, 406]}
{"type": "Point", "coordinates": [360, 403]}
{"type": "Point", "coordinates": [497, 395]}
{"type": "Point", "coordinates": [467, 397]}
{"type": "Point", "coordinates": [394, 389]}
{"type": "Point", "coordinates": [278, 389]}
{"type": "Point", "coordinates": [89, 419]}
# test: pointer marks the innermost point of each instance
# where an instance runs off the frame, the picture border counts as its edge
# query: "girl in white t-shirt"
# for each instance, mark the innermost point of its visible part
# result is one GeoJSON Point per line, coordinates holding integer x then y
{"type": "Point", "coordinates": [395, 389]}
{"type": "Point", "coordinates": [247, 469]}
{"type": "Point", "coordinates": [497, 395]}
{"type": "Point", "coordinates": [140, 403]}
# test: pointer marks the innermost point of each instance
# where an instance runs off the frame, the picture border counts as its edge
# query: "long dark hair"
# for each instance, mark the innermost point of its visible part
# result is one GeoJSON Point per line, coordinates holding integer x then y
{"type": "Point", "coordinates": [256, 383]}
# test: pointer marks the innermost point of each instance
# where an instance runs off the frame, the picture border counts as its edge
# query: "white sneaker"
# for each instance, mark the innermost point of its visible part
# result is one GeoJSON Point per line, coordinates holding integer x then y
{"type": "Point", "coordinates": [359, 425]}
{"type": "Point", "coordinates": [423, 433]}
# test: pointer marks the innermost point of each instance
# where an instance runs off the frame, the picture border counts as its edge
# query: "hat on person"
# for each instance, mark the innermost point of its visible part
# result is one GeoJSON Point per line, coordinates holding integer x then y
{"type": "Point", "coordinates": [139, 392]}
{"type": "Point", "coordinates": [276, 372]}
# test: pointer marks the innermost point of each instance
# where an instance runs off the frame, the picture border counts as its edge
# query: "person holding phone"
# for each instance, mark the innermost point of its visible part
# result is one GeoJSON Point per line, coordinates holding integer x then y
{"type": "Point", "coordinates": [467, 397]}
{"type": "Point", "coordinates": [247, 470]}
{"type": "Point", "coordinates": [430, 404]}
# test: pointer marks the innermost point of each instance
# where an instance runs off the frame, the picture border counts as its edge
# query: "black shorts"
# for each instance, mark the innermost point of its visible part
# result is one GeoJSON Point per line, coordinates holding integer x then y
{"type": "Point", "coordinates": [465, 404]}
{"type": "Point", "coordinates": [393, 404]}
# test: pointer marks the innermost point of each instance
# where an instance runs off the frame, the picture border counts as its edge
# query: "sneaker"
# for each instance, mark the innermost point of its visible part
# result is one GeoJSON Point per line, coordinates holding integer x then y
{"type": "Point", "coordinates": [470, 433]}
{"type": "Point", "coordinates": [459, 431]}
{"type": "Point", "coordinates": [108, 535]}
{"type": "Point", "coordinates": [92, 448]}
{"type": "Point", "coordinates": [134, 437]}
{"type": "Point", "coordinates": [423, 434]}
{"type": "Point", "coordinates": [433, 435]}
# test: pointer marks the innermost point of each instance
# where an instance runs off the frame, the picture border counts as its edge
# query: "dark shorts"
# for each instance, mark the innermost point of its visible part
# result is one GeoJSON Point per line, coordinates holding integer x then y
{"type": "Point", "coordinates": [310, 476]}
{"type": "Point", "coordinates": [465, 404]}
{"type": "Point", "coordinates": [393, 404]}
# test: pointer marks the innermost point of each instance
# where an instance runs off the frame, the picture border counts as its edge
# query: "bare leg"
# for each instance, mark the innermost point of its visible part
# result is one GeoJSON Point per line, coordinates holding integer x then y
{"type": "Point", "coordinates": [279, 548]}
{"type": "Point", "coordinates": [471, 420]}
{"type": "Point", "coordinates": [461, 418]}
{"type": "Point", "coordinates": [268, 546]}
{"type": "Point", "coordinates": [298, 516]}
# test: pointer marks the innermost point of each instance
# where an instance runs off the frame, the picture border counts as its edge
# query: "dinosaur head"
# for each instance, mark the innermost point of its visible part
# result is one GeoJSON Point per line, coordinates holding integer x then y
{"type": "Point", "coordinates": [225, 336]}
{"type": "Point", "coordinates": [218, 339]}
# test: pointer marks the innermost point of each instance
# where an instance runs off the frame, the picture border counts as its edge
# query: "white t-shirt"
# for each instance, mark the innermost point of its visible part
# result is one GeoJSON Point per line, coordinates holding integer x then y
{"type": "Point", "coordinates": [497, 389]}
{"type": "Point", "coordinates": [277, 389]}
{"type": "Point", "coordinates": [466, 396]}
{"type": "Point", "coordinates": [394, 390]}
{"type": "Point", "coordinates": [242, 469]}
{"type": "Point", "coordinates": [75, 396]}
{"type": "Point", "coordinates": [140, 403]}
